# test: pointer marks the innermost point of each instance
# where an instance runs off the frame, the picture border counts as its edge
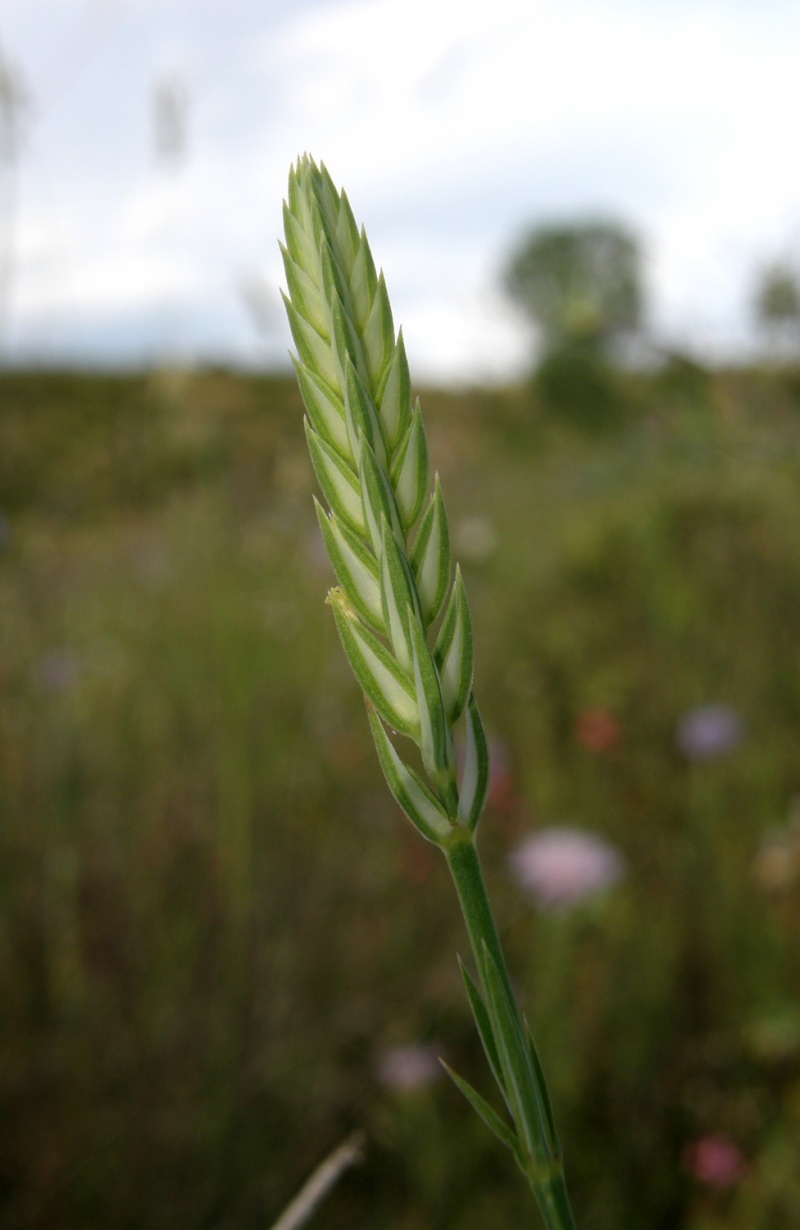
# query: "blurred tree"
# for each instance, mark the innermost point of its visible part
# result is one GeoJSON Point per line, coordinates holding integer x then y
{"type": "Point", "coordinates": [579, 283]}
{"type": "Point", "coordinates": [14, 102]}
{"type": "Point", "coordinates": [777, 305]}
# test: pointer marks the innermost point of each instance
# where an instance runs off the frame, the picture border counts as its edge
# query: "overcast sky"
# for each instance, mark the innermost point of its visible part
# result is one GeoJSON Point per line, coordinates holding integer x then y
{"type": "Point", "coordinates": [139, 219]}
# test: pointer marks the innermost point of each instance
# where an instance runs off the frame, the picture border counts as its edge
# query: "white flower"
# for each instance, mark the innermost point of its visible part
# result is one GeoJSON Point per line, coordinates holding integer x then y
{"type": "Point", "coordinates": [560, 867]}
{"type": "Point", "coordinates": [406, 1068]}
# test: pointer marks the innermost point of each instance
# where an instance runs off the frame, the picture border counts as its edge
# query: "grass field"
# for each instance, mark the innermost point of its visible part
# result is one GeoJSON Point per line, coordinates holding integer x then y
{"type": "Point", "coordinates": [215, 929]}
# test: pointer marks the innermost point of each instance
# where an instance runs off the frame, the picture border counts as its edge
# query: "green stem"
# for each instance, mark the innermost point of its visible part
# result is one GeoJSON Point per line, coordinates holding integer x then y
{"type": "Point", "coordinates": [465, 867]}
{"type": "Point", "coordinates": [554, 1203]}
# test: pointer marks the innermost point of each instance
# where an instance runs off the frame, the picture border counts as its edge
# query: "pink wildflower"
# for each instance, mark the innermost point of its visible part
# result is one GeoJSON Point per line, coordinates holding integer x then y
{"type": "Point", "coordinates": [715, 1161]}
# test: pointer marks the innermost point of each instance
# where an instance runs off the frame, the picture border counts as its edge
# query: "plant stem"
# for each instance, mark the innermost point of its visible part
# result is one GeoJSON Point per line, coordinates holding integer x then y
{"type": "Point", "coordinates": [461, 852]}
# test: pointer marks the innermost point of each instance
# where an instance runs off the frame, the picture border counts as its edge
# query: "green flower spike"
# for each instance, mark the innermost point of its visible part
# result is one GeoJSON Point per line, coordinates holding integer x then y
{"type": "Point", "coordinates": [402, 614]}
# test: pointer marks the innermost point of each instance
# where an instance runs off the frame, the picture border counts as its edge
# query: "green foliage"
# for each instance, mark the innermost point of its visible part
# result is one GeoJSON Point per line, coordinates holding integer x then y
{"type": "Point", "coordinates": [778, 296]}
{"type": "Point", "coordinates": [576, 386]}
{"type": "Point", "coordinates": [208, 939]}
{"type": "Point", "coordinates": [580, 284]}
{"type": "Point", "coordinates": [777, 306]}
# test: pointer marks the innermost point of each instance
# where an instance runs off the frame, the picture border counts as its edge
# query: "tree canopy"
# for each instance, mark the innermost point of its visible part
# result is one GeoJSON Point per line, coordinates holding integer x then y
{"type": "Point", "coordinates": [776, 305]}
{"type": "Point", "coordinates": [579, 283]}
{"type": "Point", "coordinates": [777, 298]}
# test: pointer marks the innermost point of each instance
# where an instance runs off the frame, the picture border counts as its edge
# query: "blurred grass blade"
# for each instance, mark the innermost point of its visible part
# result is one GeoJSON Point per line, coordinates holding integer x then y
{"type": "Point", "coordinates": [321, 1182]}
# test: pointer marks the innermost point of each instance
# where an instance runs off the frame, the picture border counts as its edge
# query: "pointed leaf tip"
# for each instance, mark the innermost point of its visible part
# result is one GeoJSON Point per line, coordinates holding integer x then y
{"type": "Point", "coordinates": [489, 1116]}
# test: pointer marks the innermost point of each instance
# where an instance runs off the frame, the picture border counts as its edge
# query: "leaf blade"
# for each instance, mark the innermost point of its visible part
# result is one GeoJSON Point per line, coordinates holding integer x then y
{"type": "Point", "coordinates": [489, 1116]}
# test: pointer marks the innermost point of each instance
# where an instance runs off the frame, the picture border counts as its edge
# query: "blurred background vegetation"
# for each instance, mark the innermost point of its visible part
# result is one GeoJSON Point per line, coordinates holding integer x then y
{"type": "Point", "coordinates": [221, 948]}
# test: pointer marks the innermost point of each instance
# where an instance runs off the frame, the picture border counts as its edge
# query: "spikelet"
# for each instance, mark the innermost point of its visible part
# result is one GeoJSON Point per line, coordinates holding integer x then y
{"type": "Point", "coordinates": [400, 606]}
{"type": "Point", "coordinates": [402, 614]}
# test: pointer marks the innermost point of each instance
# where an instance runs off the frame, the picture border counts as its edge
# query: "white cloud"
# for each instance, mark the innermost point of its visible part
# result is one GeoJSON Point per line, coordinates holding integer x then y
{"type": "Point", "coordinates": [448, 135]}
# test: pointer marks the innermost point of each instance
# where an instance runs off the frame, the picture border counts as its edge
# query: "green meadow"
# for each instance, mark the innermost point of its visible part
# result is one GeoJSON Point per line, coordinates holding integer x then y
{"type": "Point", "coordinates": [216, 930]}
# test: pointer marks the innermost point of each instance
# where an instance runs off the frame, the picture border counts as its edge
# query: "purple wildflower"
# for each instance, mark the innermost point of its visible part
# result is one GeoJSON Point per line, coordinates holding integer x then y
{"type": "Point", "coordinates": [561, 867]}
{"type": "Point", "coordinates": [57, 670]}
{"type": "Point", "coordinates": [709, 731]}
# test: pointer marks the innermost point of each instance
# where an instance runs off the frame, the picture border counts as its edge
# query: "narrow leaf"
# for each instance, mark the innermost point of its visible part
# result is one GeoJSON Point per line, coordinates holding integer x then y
{"type": "Point", "coordinates": [484, 1027]}
{"type": "Point", "coordinates": [518, 1076]}
{"type": "Point", "coordinates": [489, 1116]}
{"type": "Point", "coordinates": [544, 1092]}
{"type": "Point", "coordinates": [410, 792]}
{"type": "Point", "coordinates": [377, 672]}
